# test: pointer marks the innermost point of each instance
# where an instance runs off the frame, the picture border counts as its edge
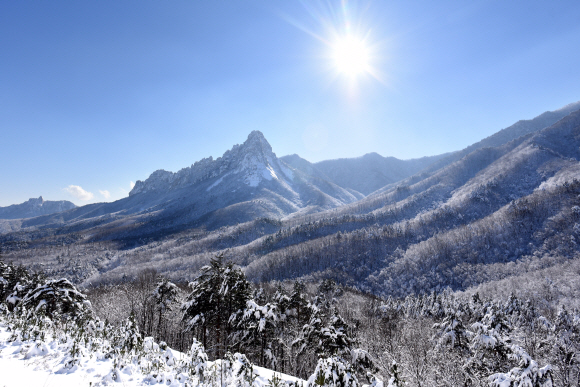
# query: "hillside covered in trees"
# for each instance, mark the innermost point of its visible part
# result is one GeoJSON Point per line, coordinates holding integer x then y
{"type": "Point", "coordinates": [326, 335]}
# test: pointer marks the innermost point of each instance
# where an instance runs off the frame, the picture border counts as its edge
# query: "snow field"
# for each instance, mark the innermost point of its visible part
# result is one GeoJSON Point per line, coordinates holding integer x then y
{"type": "Point", "coordinates": [49, 362]}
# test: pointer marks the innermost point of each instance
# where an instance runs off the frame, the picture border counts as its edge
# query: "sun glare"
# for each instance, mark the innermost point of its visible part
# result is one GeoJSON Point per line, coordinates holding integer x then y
{"type": "Point", "coordinates": [351, 56]}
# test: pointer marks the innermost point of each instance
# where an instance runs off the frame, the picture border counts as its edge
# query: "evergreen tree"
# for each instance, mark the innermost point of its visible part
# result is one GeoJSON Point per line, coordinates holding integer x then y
{"type": "Point", "coordinates": [452, 331]}
{"type": "Point", "coordinates": [219, 292]}
{"type": "Point", "coordinates": [57, 297]}
{"type": "Point", "coordinates": [489, 352]}
{"type": "Point", "coordinates": [564, 344]}
{"type": "Point", "coordinates": [325, 340]}
{"type": "Point", "coordinates": [165, 296]}
{"type": "Point", "coordinates": [256, 328]}
{"type": "Point", "coordinates": [298, 303]}
{"type": "Point", "coordinates": [130, 339]}
{"type": "Point", "coordinates": [333, 372]}
{"type": "Point", "coordinates": [526, 374]}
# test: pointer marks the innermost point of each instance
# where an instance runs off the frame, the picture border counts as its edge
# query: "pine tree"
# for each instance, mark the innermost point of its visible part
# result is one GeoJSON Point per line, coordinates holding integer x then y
{"type": "Point", "coordinates": [333, 372]}
{"type": "Point", "coordinates": [165, 296]}
{"type": "Point", "coordinates": [452, 331]}
{"type": "Point", "coordinates": [564, 344]}
{"type": "Point", "coordinates": [526, 374]}
{"type": "Point", "coordinates": [57, 297]}
{"type": "Point", "coordinates": [328, 339]}
{"type": "Point", "coordinates": [219, 292]}
{"type": "Point", "coordinates": [298, 303]}
{"type": "Point", "coordinates": [129, 339]}
{"type": "Point", "coordinates": [256, 328]}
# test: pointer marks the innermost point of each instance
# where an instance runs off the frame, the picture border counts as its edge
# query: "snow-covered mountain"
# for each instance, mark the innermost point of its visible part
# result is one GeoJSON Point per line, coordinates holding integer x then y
{"type": "Point", "coordinates": [248, 182]}
{"type": "Point", "coordinates": [34, 207]}
{"type": "Point", "coordinates": [512, 132]}
{"type": "Point", "coordinates": [510, 198]}
{"type": "Point", "coordinates": [250, 163]}
{"type": "Point", "coordinates": [372, 171]}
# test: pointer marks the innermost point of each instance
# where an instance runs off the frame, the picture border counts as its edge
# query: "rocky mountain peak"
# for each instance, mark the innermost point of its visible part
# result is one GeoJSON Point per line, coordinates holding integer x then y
{"type": "Point", "coordinates": [36, 202]}
{"type": "Point", "coordinates": [253, 161]}
{"type": "Point", "coordinates": [257, 140]}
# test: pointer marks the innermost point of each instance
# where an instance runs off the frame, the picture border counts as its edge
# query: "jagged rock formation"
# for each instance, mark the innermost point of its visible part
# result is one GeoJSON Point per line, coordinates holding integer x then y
{"type": "Point", "coordinates": [34, 207]}
{"type": "Point", "coordinates": [254, 161]}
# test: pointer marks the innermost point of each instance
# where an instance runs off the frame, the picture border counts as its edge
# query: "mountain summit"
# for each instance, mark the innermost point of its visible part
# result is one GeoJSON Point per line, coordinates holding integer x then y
{"type": "Point", "coordinates": [253, 162]}
{"type": "Point", "coordinates": [247, 182]}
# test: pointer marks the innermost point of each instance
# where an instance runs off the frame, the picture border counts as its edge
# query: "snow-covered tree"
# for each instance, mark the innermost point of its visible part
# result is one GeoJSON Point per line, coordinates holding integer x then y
{"type": "Point", "coordinates": [164, 296]}
{"type": "Point", "coordinates": [57, 297]}
{"type": "Point", "coordinates": [129, 339]}
{"type": "Point", "coordinates": [297, 305]}
{"type": "Point", "coordinates": [526, 374]}
{"type": "Point", "coordinates": [451, 330]}
{"type": "Point", "coordinates": [489, 352]}
{"type": "Point", "coordinates": [564, 345]}
{"type": "Point", "coordinates": [219, 291]}
{"type": "Point", "coordinates": [256, 328]}
{"type": "Point", "coordinates": [328, 339]}
{"type": "Point", "coordinates": [333, 372]}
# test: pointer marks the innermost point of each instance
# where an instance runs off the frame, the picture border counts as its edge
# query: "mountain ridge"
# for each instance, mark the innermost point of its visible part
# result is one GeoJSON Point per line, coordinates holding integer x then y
{"type": "Point", "coordinates": [34, 207]}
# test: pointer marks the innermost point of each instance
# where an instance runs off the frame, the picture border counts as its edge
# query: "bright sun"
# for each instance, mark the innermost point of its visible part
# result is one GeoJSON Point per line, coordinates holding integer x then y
{"type": "Point", "coordinates": [351, 56]}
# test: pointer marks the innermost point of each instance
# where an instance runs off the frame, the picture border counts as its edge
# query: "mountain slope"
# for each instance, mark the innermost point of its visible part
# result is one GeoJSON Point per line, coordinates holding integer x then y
{"type": "Point", "coordinates": [510, 133]}
{"type": "Point", "coordinates": [463, 226]}
{"type": "Point", "coordinates": [372, 171]}
{"type": "Point", "coordinates": [363, 174]}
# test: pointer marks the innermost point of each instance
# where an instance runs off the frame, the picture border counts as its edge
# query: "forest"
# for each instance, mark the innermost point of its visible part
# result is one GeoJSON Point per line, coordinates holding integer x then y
{"type": "Point", "coordinates": [320, 331]}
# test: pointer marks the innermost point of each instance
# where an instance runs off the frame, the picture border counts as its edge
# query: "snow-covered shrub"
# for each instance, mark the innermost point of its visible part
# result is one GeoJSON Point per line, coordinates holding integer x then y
{"type": "Point", "coordinates": [333, 372]}
{"type": "Point", "coordinates": [198, 362]}
{"type": "Point", "coordinates": [242, 371]}
{"type": "Point", "coordinates": [527, 374]}
{"type": "Point", "coordinates": [127, 338]}
{"type": "Point", "coordinates": [57, 297]}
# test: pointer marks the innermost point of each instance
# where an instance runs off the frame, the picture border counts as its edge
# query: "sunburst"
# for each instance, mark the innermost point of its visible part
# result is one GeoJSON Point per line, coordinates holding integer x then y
{"type": "Point", "coordinates": [351, 56]}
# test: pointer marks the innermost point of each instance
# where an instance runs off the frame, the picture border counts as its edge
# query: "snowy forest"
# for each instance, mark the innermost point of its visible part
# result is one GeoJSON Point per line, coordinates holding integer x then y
{"type": "Point", "coordinates": [221, 328]}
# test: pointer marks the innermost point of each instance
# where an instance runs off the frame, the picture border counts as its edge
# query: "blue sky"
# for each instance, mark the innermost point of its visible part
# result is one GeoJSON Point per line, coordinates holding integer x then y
{"type": "Point", "coordinates": [97, 94]}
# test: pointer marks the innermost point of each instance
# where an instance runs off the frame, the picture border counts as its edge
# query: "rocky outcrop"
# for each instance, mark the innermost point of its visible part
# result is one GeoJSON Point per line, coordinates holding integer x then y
{"type": "Point", "coordinates": [34, 207]}
{"type": "Point", "coordinates": [254, 161]}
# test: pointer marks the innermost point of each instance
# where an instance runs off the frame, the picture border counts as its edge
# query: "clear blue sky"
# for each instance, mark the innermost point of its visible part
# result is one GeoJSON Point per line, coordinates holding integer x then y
{"type": "Point", "coordinates": [97, 94]}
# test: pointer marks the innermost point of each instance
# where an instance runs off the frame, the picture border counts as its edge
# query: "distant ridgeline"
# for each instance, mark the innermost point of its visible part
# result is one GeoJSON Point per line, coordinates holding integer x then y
{"type": "Point", "coordinates": [34, 207]}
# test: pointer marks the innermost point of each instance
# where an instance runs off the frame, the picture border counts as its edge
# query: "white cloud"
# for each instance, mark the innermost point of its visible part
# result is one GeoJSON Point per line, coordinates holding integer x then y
{"type": "Point", "coordinates": [106, 194]}
{"type": "Point", "coordinates": [132, 185]}
{"type": "Point", "coordinates": [79, 193]}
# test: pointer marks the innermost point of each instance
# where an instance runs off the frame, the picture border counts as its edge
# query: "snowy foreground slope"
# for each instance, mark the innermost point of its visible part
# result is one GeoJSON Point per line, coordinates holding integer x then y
{"type": "Point", "coordinates": [48, 363]}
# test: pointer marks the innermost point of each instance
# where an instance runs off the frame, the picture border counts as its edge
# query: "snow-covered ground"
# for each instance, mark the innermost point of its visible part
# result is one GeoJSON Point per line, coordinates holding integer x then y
{"type": "Point", "coordinates": [44, 363]}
